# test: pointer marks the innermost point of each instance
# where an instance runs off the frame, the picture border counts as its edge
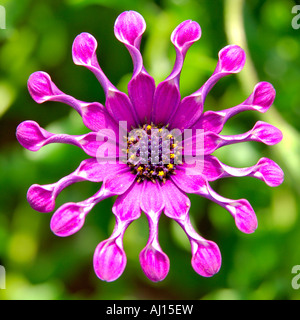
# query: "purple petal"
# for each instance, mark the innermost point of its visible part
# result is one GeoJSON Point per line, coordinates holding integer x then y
{"type": "Point", "coordinates": [68, 219]}
{"type": "Point", "coordinates": [141, 90]}
{"type": "Point", "coordinates": [31, 136]}
{"type": "Point", "coordinates": [260, 100]}
{"type": "Point", "coordinates": [84, 49]}
{"type": "Point", "coordinates": [42, 198]}
{"type": "Point", "coordinates": [266, 133]}
{"type": "Point", "coordinates": [154, 263]}
{"type": "Point", "coordinates": [212, 170]}
{"type": "Point", "coordinates": [241, 210]}
{"type": "Point", "coordinates": [166, 100]}
{"type": "Point", "coordinates": [231, 59]}
{"type": "Point", "coordinates": [269, 171]}
{"type": "Point", "coordinates": [188, 112]}
{"type": "Point", "coordinates": [211, 121]}
{"type": "Point", "coordinates": [213, 141]}
{"type": "Point", "coordinates": [265, 169]}
{"type": "Point", "coordinates": [117, 103]}
{"type": "Point", "coordinates": [153, 260]}
{"type": "Point", "coordinates": [41, 88]}
{"type": "Point", "coordinates": [109, 260]}
{"type": "Point", "coordinates": [262, 97]}
{"type": "Point", "coordinates": [127, 205]}
{"type": "Point", "coordinates": [261, 132]}
{"type": "Point", "coordinates": [152, 199]}
{"type": "Point", "coordinates": [185, 35]}
{"type": "Point", "coordinates": [191, 169]}
{"type": "Point", "coordinates": [94, 115]}
{"type": "Point", "coordinates": [206, 258]}
{"type": "Point", "coordinates": [188, 183]}
{"type": "Point", "coordinates": [118, 182]}
{"type": "Point", "coordinates": [120, 107]}
{"type": "Point", "coordinates": [94, 143]}
{"type": "Point", "coordinates": [182, 38]}
{"type": "Point", "coordinates": [109, 256]}
{"type": "Point", "coordinates": [129, 27]}
{"type": "Point", "coordinates": [92, 170]}
{"type": "Point", "coordinates": [84, 54]}
{"type": "Point", "coordinates": [167, 95]}
{"type": "Point", "coordinates": [177, 204]}
{"type": "Point", "coordinates": [244, 215]}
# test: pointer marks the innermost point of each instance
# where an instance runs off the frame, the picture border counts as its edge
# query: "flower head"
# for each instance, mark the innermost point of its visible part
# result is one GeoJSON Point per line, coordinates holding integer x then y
{"type": "Point", "coordinates": [153, 167]}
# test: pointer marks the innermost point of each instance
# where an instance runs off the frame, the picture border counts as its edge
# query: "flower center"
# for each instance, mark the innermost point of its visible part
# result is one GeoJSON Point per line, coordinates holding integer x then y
{"type": "Point", "coordinates": [153, 153]}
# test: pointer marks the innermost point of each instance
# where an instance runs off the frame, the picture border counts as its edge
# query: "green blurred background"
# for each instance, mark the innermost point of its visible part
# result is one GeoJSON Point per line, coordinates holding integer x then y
{"type": "Point", "coordinates": [39, 36]}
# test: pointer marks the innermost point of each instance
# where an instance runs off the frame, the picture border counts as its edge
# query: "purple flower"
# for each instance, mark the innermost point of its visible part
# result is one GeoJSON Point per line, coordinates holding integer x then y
{"type": "Point", "coordinates": [154, 168]}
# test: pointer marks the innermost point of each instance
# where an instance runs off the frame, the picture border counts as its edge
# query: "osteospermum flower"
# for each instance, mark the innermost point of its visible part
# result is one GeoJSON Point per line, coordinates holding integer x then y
{"type": "Point", "coordinates": [153, 168]}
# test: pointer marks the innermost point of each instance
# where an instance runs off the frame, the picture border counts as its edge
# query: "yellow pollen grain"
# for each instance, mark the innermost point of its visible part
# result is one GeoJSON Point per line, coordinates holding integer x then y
{"type": "Point", "coordinates": [140, 168]}
{"type": "Point", "coordinates": [169, 136]}
{"type": "Point", "coordinates": [161, 173]}
{"type": "Point", "coordinates": [172, 155]}
{"type": "Point", "coordinates": [170, 166]}
{"type": "Point", "coordinates": [149, 127]}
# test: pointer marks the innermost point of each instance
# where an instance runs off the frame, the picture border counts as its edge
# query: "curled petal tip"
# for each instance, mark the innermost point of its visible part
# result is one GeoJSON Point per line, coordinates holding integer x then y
{"type": "Point", "coordinates": [30, 135]}
{"type": "Point", "coordinates": [270, 172]}
{"type": "Point", "coordinates": [41, 87]}
{"type": "Point", "coordinates": [41, 198]}
{"type": "Point", "coordinates": [263, 96]}
{"type": "Point", "coordinates": [83, 49]}
{"type": "Point", "coordinates": [68, 219]}
{"type": "Point", "coordinates": [186, 34]}
{"type": "Point", "coordinates": [154, 263]}
{"type": "Point", "coordinates": [232, 59]}
{"type": "Point", "coordinates": [206, 259]}
{"type": "Point", "coordinates": [129, 27]}
{"type": "Point", "coordinates": [109, 260]}
{"type": "Point", "coordinates": [244, 216]}
{"type": "Point", "coordinates": [267, 133]}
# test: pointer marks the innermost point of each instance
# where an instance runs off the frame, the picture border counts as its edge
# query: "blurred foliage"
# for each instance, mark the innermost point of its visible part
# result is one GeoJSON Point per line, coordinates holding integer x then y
{"type": "Point", "coordinates": [39, 36]}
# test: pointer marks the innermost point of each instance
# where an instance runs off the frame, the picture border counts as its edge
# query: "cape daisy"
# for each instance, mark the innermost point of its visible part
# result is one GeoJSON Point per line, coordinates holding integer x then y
{"type": "Point", "coordinates": [144, 179]}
